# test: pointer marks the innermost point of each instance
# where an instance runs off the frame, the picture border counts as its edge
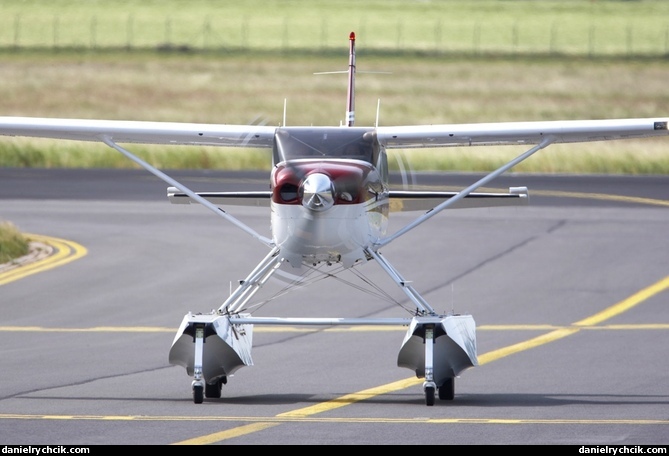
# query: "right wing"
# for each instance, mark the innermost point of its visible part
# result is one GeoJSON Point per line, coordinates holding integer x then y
{"type": "Point", "coordinates": [113, 132]}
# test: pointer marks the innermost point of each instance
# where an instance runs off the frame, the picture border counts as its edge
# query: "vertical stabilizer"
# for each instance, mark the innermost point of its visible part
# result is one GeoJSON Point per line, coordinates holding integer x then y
{"type": "Point", "coordinates": [350, 103]}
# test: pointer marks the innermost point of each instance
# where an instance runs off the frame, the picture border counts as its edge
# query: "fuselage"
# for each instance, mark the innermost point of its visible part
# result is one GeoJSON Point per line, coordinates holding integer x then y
{"type": "Point", "coordinates": [329, 194]}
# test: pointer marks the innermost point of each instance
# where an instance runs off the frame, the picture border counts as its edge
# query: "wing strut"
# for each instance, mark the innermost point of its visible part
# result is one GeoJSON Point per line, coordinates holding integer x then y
{"type": "Point", "coordinates": [253, 282]}
{"type": "Point", "coordinates": [451, 201]}
{"type": "Point", "coordinates": [413, 295]}
{"type": "Point", "coordinates": [217, 210]}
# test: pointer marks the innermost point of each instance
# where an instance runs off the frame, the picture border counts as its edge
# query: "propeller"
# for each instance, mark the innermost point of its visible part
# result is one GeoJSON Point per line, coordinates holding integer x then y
{"type": "Point", "coordinates": [317, 192]}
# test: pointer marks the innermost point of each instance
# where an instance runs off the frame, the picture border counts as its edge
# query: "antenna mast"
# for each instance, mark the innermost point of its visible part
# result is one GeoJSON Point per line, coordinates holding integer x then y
{"type": "Point", "coordinates": [350, 107]}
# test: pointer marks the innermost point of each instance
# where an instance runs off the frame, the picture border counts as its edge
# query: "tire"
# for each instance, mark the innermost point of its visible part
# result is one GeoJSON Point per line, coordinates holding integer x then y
{"type": "Point", "coordinates": [447, 390]}
{"type": "Point", "coordinates": [198, 394]}
{"type": "Point", "coordinates": [213, 390]}
{"type": "Point", "coordinates": [429, 396]}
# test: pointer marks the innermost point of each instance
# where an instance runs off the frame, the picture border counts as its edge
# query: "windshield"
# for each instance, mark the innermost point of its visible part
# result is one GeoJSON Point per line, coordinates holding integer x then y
{"type": "Point", "coordinates": [328, 142]}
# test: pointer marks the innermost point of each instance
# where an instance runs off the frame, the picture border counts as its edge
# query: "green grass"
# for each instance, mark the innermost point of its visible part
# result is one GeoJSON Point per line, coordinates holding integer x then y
{"type": "Point", "coordinates": [13, 244]}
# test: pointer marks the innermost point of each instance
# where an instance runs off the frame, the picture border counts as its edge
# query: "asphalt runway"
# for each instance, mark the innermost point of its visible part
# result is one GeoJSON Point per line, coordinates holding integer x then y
{"type": "Point", "coordinates": [569, 296]}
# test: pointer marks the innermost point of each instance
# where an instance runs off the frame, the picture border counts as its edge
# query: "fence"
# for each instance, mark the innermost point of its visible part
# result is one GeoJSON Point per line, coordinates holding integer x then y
{"type": "Point", "coordinates": [282, 34]}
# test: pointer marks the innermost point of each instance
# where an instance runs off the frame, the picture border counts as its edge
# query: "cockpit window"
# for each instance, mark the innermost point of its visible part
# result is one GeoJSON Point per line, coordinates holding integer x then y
{"type": "Point", "coordinates": [325, 142]}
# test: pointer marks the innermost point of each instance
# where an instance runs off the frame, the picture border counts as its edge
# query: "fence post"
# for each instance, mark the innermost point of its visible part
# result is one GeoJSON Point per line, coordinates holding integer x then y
{"type": "Point", "coordinates": [17, 30]}
{"type": "Point", "coordinates": [324, 34]}
{"type": "Point", "coordinates": [94, 25]}
{"type": "Point", "coordinates": [399, 35]}
{"type": "Point", "coordinates": [129, 32]}
{"type": "Point", "coordinates": [168, 31]}
{"type": "Point", "coordinates": [476, 38]}
{"type": "Point", "coordinates": [245, 33]}
{"type": "Point", "coordinates": [284, 41]}
{"type": "Point", "coordinates": [55, 32]}
{"type": "Point", "coordinates": [206, 30]}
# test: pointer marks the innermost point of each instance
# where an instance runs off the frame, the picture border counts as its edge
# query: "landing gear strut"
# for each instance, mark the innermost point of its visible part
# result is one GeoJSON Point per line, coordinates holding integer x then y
{"type": "Point", "coordinates": [429, 387]}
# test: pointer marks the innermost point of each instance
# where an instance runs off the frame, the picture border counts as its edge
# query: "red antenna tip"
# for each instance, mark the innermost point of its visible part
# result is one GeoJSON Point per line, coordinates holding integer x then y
{"type": "Point", "coordinates": [351, 36]}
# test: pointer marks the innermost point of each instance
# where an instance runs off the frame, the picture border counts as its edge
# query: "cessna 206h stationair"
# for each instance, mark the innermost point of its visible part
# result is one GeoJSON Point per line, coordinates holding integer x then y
{"type": "Point", "coordinates": [330, 201]}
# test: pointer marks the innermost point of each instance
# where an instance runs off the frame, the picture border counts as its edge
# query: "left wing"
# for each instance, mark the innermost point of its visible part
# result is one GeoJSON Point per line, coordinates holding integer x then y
{"type": "Point", "coordinates": [120, 131]}
{"type": "Point", "coordinates": [519, 133]}
{"type": "Point", "coordinates": [538, 135]}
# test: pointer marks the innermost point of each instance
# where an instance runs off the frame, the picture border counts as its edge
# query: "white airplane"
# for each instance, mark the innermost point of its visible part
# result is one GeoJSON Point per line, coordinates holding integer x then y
{"type": "Point", "coordinates": [329, 202]}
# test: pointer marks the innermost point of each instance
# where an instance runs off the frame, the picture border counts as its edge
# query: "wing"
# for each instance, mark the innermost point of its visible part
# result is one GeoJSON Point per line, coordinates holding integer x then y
{"type": "Point", "coordinates": [519, 133]}
{"type": "Point", "coordinates": [120, 131]}
{"type": "Point", "coordinates": [405, 137]}
{"type": "Point", "coordinates": [538, 135]}
{"type": "Point", "coordinates": [113, 132]}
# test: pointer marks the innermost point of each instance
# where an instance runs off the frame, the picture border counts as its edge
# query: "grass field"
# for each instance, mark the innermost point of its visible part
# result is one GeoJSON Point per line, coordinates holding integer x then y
{"type": "Point", "coordinates": [107, 59]}
{"type": "Point", "coordinates": [243, 89]}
